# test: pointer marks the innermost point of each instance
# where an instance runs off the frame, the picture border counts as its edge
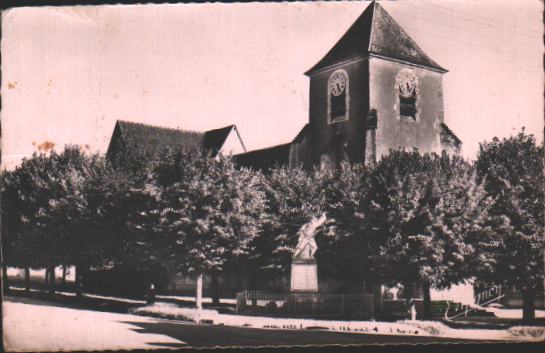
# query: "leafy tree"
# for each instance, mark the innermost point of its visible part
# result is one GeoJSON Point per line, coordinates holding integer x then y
{"type": "Point", "coordinates": [76, 212]}
{"type": "Point", "coordinates": [98, 233]}
{"type": "Point", "coordinates": [291, 202]}
{"type": "Point", "coordinates": [16, 244]}
{"type": "Point", "coordinates": [146, 244]}
{"type": "Point", "coordinates": [204, 210]}
{"type": "Point", "coordinates": [36, 195]}
{"type": "Point", "coordinates": [126, 211]}
{"type": "Point", "coordinates": [293, 197]}
{"type": "Point", "coordinates": [421, 210]}
{"type": "Point", "coordinates": [512, 172]}
{"type": "Point", "coordinates": [47, 212]}
{"type": "Point", "coordinates": [342, 244]}
{"type": "Point", "coordinates": [10, 234]}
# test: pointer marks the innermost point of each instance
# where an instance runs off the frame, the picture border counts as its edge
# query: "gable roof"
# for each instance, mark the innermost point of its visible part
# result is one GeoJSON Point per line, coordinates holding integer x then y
{"type": "Point", "coordinates": [215, 139]}
{"type": "Point", "coordinates": [156, 138]}
{"type": "Point", "coordinates": [375, 32]}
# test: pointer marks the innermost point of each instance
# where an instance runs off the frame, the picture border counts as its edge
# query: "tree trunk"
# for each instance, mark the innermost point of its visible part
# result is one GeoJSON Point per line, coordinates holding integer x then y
{"type": "Point", "coordinates": [427, 301]}
{"type": "Point", "coordinates": [198, 296]}
{"type": "Point", "coordinates": [239, 284]}
{"type": "Point", "coordinates": [27, 279]}
{"type": "Point", "coordinates": [528, 304]}
{"type": "Point", "coordinates": [215, 288]}
{"type": "Point", "coordinates": [5, 279]}
{"type": "Point", "coordinates": [46, 277]}
{"type": "Point", "coordinates": [52, 279]}
{"type": "Point", "coordinates": [253, 279]}
{"type": "Point", "coordinates": [151, 294]}
{"type": "Point", "coordinates": [78, 283]}
{"type": "Point", "coordinates": [63, 276]}
{"type": "Point", "coordinates": [408, 292]}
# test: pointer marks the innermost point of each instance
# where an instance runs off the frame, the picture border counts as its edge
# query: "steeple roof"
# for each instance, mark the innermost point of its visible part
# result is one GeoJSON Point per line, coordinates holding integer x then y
{"type": "Point", "coordinates": [375, 32]}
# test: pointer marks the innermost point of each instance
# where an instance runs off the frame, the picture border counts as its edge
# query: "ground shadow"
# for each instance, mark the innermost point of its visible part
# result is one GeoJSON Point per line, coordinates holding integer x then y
{"type": "Point", "coordinates": [71, 301]}
{"type": "Point", "coordinates": [228, 336]}
{"type": "Point", "coordinates": [35, 301]}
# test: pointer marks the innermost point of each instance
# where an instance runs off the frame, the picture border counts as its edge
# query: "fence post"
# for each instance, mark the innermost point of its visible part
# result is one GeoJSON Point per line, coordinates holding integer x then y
{"type": "Point", "coordinates": [372, 306]}
{"type": "Point", "coordinates": [238, 303]}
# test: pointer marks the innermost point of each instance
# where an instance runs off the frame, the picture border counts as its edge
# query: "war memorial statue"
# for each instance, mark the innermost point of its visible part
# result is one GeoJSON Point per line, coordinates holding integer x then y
{"type": "Point", "coordinates": [304, 269]}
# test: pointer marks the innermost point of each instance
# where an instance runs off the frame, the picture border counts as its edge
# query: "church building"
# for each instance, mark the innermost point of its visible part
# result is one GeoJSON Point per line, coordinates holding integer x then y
{"type": "Point", "coordinates": [374, 91]}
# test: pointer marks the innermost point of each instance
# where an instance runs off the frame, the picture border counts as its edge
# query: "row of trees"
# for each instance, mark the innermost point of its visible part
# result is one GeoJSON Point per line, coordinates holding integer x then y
{"type": "Point", "coordinates": [421, 220]}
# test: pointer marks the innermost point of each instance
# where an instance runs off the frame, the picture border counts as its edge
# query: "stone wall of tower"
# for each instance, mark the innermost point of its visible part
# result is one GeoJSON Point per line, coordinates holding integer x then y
{"type": "Point", "coordinates": [321, 133]}
{"type": "Point", "coordinates": [394, 131]}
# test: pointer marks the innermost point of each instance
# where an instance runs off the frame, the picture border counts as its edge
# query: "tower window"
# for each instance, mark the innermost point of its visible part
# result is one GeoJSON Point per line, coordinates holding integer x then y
{"type": "Point", "coordinates": [407, 88]}
{"type": "Point", "coordinates": [338, 106]}
{"type": "Point", "coordinates": [337, 97]}
{"type": "Point", "coordinates": [407, 106]}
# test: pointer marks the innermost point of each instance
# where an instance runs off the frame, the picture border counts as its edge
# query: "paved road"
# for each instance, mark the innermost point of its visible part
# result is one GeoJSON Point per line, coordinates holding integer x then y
{"type": "Point", "coordinates": [211, 336]}
{"type": "Point", "coordinates": [88, 328]}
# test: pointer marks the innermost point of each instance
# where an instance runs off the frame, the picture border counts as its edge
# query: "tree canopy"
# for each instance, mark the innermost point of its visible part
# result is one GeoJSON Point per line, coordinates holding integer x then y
{"type": "Point", "coordinates": [420, 211]}
{"type": "Point", "coordinates": [422, 220]}
{"type": "Point", "coordinates": [512, 172]}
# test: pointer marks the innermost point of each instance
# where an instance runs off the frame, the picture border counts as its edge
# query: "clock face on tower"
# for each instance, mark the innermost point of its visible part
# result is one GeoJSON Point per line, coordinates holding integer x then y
{"type": "Point", "coordinates": [337, 83]}
{"type": "Point", "coordinates": [407, 83]}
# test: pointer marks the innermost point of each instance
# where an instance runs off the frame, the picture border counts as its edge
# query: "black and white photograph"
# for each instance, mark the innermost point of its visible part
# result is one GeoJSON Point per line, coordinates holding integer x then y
{"type": "Point", "coordinates": [272, 174]}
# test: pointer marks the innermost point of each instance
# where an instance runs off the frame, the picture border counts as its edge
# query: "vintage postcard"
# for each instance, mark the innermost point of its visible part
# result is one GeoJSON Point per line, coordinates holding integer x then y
{"type": "Point", "coordinates": [272, 174]}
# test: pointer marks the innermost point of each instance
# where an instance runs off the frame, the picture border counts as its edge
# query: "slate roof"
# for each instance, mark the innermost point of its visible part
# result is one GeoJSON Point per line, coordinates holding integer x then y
{"type": "Point", "coordinates": [449, 137]}
{"type": "Point", "coordinates": [155, 138]}
{"type": "Point", "coordinates": [267, 158]}
{"type": "Point", "coordinates": [376, 32]}
{"type": "Point", "coordinates": [302, 134]}
{"type": "Point", "coordinates": [264, 159]}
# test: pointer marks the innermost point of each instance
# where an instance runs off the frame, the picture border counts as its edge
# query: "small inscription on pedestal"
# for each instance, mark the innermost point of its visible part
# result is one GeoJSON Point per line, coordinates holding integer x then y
{"type": "Point", "coordinates": [304, 276]}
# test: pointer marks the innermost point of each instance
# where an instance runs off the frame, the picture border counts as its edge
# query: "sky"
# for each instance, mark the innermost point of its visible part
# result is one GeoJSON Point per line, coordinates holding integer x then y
{"type": "Point", "coordinates": [68, 73]}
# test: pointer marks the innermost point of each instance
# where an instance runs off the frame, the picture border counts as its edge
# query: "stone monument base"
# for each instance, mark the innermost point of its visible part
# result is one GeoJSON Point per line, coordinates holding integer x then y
{"type": "Point", "coordinates": [304, 275]}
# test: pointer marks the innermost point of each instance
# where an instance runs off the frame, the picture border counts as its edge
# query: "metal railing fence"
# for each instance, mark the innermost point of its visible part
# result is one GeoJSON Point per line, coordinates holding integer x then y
{"type": "Point", "coordinates": [305, 304]}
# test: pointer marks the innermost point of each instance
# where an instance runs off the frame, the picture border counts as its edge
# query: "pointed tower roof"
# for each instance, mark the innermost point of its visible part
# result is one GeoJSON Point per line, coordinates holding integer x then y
{"type": "Point", "coordinates": [376, 33]}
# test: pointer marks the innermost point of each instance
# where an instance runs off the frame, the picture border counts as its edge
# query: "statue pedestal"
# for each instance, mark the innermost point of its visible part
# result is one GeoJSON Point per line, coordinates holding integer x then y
{"type": "Point", "coordinates": [304, 275]}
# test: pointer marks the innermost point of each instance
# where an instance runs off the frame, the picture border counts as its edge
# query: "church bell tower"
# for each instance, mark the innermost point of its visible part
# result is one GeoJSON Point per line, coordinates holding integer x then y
{"type": "Point", "coordinates": [375, 90]}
